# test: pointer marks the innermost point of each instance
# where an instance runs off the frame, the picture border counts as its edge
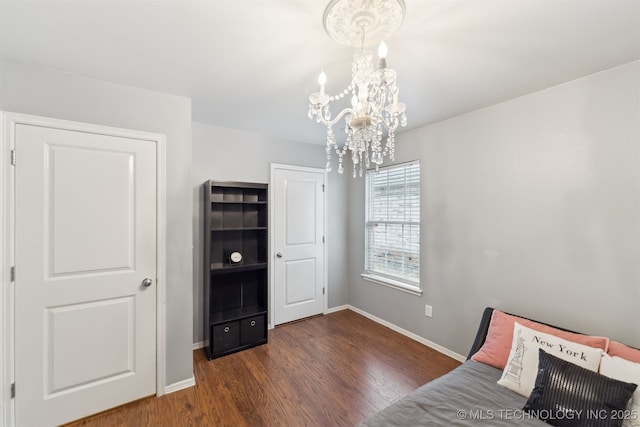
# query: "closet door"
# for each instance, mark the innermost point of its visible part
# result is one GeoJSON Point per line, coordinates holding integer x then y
{"type": "Point", "coordinates": [85, 254]}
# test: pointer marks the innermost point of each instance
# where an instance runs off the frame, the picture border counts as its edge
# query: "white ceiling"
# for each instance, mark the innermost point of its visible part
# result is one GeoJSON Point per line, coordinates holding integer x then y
{"type": "Point", "coordinates": [251, 64]}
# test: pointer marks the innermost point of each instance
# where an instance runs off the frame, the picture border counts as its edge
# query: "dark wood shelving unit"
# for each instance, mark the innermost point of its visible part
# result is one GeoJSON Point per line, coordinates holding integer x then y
{"type": "Point", "coordinates": [224, 269]}
{"type": "Point", "coordinates": [235, 293]}
{"type": "Point", "coordinates": [237, 313]}
{"type": "Point", "coordinates": [239, 229]}
{"type": "Point", "coordinates": [241, 202]}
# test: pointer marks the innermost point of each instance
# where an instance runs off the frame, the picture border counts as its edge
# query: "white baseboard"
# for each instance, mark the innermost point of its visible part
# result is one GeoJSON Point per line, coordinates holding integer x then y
{"type": "Point", "coordinates": [421, 340]}
{"type": "Point", "coordinates": [180, 385]}
{"type": "Point", "coordinates": [338, 308]}
{"type": "Point", "coordinates": [200, 344]}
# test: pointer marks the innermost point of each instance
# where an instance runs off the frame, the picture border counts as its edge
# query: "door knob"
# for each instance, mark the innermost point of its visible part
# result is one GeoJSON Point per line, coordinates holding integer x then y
{"type": "Point", "coordinates": [147, 282]}
{"type": "Point", "coordinates": [279, 254]}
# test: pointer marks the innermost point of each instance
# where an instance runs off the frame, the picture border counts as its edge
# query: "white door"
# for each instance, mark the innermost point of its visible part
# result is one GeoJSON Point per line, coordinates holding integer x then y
{"type": "Point", "coordinates": [298, 243]}
{"type": "Point", "coordinates": [85, 239]}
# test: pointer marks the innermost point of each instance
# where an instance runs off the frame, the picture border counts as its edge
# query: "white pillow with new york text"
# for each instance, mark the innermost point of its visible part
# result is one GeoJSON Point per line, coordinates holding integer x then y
{"type": "Point", "coordinates": [521, 370]}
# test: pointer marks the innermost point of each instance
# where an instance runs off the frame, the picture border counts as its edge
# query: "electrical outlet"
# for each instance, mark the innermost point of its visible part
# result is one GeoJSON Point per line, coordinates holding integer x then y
{"type": "Point", "coordinates": [428, 311]}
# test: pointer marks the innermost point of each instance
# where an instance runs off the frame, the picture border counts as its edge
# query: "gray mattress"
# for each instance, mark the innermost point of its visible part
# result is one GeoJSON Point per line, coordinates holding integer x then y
{"type": "Point", "coordinates": [466, 396]}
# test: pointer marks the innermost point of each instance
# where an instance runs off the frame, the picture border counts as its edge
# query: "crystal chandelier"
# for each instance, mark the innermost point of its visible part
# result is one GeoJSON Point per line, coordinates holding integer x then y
{"type": "Point", "coordinates": [372, 118]}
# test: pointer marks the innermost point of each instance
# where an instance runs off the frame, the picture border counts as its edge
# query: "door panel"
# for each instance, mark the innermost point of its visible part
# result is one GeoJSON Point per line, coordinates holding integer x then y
{"type": "Point", "coordinates": [298, 274]}
{"type": "Point", "coordinates": [85, 240]}
{"type": "Point", "coordinates": [301, 212]}
{"type": "Point", "coordinates": [298, 238]}
{"type": "Point", "coordinates": [100, 353]}
{"type": "Point", "coordinates": [103, 196]}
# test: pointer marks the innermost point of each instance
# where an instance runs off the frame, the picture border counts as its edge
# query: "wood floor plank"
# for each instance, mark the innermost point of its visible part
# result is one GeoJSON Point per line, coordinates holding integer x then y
{"type": "Point", "coordinates": [332, 370]}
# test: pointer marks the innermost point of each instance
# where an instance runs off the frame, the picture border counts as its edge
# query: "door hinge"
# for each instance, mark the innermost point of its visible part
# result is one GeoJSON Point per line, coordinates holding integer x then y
{"type": "Point", "coordinates": [13, 157]}
{"type": "Point", "coordinates": [13, 390]}
{"type": "Point", "coordinates": [322, 239]}
{"type": "Point", "coordinates": [323, 188]}
{"type": "Point", "coordinates": [13, 274]}
{"type": "Point", "coordinates": [322, 291]}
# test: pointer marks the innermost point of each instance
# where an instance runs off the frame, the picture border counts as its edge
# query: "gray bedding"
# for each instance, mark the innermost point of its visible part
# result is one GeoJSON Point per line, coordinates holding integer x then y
{"type": "Point", "coordinates": [466, 396]}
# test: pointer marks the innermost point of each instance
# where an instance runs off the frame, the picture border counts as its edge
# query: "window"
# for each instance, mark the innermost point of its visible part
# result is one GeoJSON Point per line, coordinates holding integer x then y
{"type": "Point", "coordinates": [392, 246]}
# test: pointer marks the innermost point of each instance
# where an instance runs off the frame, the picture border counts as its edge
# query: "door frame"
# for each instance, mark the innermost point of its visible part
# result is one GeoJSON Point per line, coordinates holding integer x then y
{"type": "Point", "coordinates": [272, 230]}
{"type": "Point", "coordinates": [8, 122]}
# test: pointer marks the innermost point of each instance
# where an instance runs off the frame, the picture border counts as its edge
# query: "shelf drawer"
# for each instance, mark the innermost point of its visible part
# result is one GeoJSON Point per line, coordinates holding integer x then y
{"type": "Point", "coordinates": [252, 329]}
{"type": "Point", "coordinates": [225, 337]}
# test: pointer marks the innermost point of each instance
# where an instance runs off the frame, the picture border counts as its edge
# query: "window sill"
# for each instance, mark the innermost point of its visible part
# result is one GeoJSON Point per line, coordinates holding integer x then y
{"type": "Point", "coordinates": [384, 281]}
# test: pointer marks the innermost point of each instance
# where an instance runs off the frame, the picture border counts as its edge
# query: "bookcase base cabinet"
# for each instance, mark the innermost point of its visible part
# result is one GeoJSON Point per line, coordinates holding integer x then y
{"type": "Point", "coordinates": [227, 338]}
{"type": "Point", "coordinates": [235, 287]}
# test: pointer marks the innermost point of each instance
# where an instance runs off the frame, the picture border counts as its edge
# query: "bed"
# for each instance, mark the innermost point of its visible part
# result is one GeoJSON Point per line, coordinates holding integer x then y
{"type": "Point", "coordinates": [468, 395]}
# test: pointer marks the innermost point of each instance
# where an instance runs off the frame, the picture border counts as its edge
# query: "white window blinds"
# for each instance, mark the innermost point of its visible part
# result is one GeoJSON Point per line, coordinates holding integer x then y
{"type": "Point", "coordinates": [393, 223]}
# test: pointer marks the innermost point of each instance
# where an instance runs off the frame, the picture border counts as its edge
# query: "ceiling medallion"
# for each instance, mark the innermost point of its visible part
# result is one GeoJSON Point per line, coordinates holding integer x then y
{"type": "Point", "coordinates": [375, 112]}
{"type": "Point", "coordinates": [347, 21]}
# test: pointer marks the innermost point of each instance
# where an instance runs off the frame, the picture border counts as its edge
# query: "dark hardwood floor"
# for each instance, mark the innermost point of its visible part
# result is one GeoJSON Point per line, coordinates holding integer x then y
{"type": "Point", "coordinates": [332, 370]}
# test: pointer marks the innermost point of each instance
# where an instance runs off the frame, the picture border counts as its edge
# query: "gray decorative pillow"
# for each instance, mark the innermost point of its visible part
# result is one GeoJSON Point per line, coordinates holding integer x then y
{"type": "Point", "coordinates": [569, 395]}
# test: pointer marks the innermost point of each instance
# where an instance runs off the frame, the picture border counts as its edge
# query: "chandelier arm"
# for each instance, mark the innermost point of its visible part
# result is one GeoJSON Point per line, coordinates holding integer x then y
{"type": "Point", "coordinates": [339, 116]}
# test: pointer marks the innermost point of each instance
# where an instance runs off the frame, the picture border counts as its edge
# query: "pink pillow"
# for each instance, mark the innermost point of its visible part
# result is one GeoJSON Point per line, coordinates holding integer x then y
{"type": "Point", "coordinates": [496, 347]}
{"type": "Point", "coordinates": [624, 352]}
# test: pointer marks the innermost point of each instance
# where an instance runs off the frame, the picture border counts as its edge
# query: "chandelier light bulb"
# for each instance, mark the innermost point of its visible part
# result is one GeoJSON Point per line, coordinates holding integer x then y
{"type": "Point", "coordinates": [354, 102]}
{"type": "Point", "coordinates": [322, 78]}
{"type": "Point", "coordinates": [383, 50]}
{"type": "Point", "coordinates": [382, 54]}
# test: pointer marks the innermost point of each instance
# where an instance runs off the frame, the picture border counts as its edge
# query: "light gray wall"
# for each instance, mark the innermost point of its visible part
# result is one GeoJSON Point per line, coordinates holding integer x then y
{"type": "Point", "coordinates": [531, 206]}
{"type": "Point", "coordinates": [235, 155]}
{"type": "Point", "coordinates": [49, 93]}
